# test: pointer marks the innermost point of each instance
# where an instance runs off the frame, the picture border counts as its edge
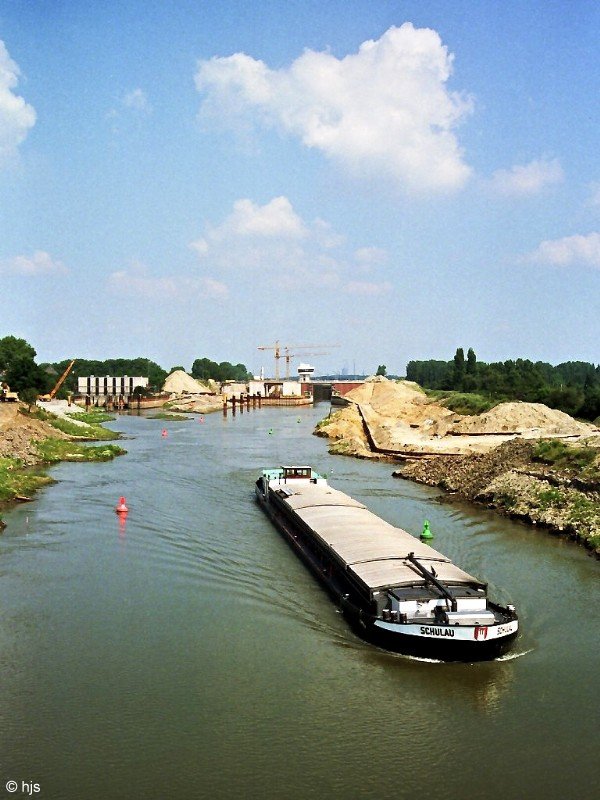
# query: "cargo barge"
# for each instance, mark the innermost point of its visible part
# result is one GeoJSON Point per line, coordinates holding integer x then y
{"type": "Point", "coordinates": [396, 591]}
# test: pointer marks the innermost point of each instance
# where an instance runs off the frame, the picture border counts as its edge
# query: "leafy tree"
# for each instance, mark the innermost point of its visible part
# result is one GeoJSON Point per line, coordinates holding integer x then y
{"type": "Point", "coordinates": [118, 367]}
{"type": "Point", "coordinates": [29, 396]}
{"type": "Point", "coordinates": [381, 370]}
{"type": "Point", "coordinates": [568, 399]}
{"type": "Point", "coordinates": [459, 368]}
{"type": "Point", "coordinates": [23, 373]}
{"type": "Point", "coordinates": [176, 369]}
{"type": "Point", "coordinates": [12, 348]}
{"type": "Point", "coordinates": [573, 386]}
{"type": "Point", "coordinates": [471, 361]}
{"type": "Point", "coordinates": [590, 408]}
{"type": "Point", "coordinates": [204, 369]}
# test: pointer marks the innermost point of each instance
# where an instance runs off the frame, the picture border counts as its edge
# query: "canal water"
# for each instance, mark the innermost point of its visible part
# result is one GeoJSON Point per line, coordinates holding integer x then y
{"type": "Point", "coordinates": [187, 652]}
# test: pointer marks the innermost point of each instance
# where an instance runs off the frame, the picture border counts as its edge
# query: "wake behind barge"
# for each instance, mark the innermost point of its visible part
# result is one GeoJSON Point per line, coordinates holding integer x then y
{"type": "Point", "coordinates": [396, 591]}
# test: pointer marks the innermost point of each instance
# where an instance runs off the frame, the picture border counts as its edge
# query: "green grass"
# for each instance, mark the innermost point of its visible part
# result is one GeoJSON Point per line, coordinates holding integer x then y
{"type": "Point", "coordinates": [16, 481]}
{"type": "Point", "coordinates": [328, 420]}
{"type": "Point", "coordinates": [92, 417]}
{"type": "Point", "coordinates": [463, 402]}
{"type": "Point", "coordinates": [171, 417]}
{"type": "Point", "coordinates": [53, 450]}
{"type": "Point", "coordinates": [558, 454]}
{"type": "Point", "coordinates": [551, 498]}
{"type": "Point", "coordinates": [88, 432]}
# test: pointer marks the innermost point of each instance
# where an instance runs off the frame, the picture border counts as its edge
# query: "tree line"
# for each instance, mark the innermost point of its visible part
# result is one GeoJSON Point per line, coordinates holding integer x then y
{"type": "Point", "coordinates": [20, 371]}
{"type": "Point", "coordinates": [572, 387]}
{"type": "Point", "coordinates": [204, 369]}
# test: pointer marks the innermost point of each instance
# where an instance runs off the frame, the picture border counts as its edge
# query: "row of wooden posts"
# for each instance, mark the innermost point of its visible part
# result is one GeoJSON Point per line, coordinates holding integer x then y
{"type": "Point", "coordinates": [240, 402]}
{"type": "Point", "coordinates": [111, 403]}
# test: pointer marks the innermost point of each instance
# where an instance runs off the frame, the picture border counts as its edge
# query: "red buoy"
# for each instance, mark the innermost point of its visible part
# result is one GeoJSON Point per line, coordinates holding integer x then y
{"type": "Point", "coordinates": [122, 506]}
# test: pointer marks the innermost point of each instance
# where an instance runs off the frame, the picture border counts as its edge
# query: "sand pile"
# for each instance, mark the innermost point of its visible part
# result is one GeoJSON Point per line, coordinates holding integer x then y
{"type": "Point", "coordinates": [519, 417]}
{"type": "Point", "coordinates": [400, 405]}
{"type": "Point", "coordinates": [179, 382]}
{"type": "Point", "coordinates": [400, 418]}
{"type": "Point", "coordinates": [386, 396]}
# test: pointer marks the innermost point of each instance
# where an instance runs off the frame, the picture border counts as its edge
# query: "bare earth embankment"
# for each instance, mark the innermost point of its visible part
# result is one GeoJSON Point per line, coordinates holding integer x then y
{"type": "Point", "coordinates": [522, 459]}
{"type": "Point", "coordinates": [43, 437]}
{"type": "Point", "coordinates": [192, 396]}
{"type": "Point", "coordinates": [19, 434]}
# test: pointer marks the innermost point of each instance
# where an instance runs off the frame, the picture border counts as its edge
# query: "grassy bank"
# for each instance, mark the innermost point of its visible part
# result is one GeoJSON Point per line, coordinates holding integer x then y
{"type": "Point", "coordinates": [53, 450]}
{"type": "Point", "coordinates": [18, 481]}
{"type": "Point", "coordinates": [463, 402]}
{"type": "Point", "coordinates": [92, 417]}
{"type": "Point", "coordinates": [15, 481]}
{"type": "Point", "coordinates": [170, 417]}
{"type": "Point", "coordinates": [91, 431]}
{"type": "Point", "coordinates": [547, 483]}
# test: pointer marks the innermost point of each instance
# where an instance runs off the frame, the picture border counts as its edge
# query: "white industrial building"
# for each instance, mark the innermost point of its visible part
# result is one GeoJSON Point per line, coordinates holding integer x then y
{"type": "Point", "coordinates": [110, 385]}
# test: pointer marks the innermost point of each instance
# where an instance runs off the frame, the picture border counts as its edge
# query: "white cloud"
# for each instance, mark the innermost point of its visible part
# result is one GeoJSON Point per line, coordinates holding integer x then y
{"type": "Point", "coordinates": [137, 101]}
{"type": "Point", "coordinates": [571, 250]}
{"type": "Point", "coordinates": [273, 239]}
{"type": "Point", "coordinates": [39, 263]}
{"type": "Point", "coordinates": [368, 256]}
{"type": "Point", "coordinates": [384, 110]}
{"type": "Point", "coordinates": [275, 220]}
{"type": "Point", "coordinates": [16, 116]}
{"type": "Point", "coordinates": [527, 179]}
{"type": "Point", "coordinates": [137, 281]}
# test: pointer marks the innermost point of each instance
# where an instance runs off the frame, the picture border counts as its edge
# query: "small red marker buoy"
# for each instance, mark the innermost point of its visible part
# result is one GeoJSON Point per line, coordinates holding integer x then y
{"type": "Point", "coordinates": [164, 433]}
{"type": "Point", "coordinates": [122, 506]}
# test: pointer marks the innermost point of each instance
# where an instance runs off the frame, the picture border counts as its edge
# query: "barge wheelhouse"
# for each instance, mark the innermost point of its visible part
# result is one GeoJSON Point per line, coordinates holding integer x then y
{"type": "Point", "coordinates": [395, 590]}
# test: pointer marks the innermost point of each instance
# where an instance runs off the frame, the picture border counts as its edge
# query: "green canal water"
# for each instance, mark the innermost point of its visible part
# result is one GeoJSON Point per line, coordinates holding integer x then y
{"type": "Point", "coordinates": [189, 654]}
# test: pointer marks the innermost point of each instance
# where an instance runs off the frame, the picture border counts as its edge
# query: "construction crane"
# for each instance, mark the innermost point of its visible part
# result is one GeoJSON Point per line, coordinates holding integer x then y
{"type": "Point", "coordinates": [277, 355]}
{"type": "Point", "coordinates": [288, 348]}
{"type": "Point", "coordinates": [289, 356]}
{"type": "Point", "coordinates": [47, 397]}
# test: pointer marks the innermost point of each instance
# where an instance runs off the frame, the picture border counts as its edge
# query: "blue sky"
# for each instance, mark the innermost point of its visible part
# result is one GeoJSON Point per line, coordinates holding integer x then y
{"type": "Point", "coordinates": [196, 179]}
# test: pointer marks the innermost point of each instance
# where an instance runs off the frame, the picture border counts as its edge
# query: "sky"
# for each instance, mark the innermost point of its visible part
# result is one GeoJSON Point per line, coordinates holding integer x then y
{"type": "Point", "coordinates": [365, 181]}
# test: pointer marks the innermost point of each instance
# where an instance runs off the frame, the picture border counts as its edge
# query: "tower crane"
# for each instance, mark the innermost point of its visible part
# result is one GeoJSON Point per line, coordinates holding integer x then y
{"type": "Point", "coordinates": [289, 348]}
{"type": "Point", "coordinates": [289, 356]}
{"type": "Point", "coordinates": [277, 355]}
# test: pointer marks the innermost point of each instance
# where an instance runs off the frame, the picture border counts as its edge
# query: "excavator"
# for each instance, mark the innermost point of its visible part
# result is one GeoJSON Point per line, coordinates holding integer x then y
{"type": "Point", "coordinates": [45, 398]}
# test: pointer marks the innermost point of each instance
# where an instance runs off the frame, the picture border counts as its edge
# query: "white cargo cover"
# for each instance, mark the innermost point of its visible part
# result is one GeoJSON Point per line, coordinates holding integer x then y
{"type": "Point", "coordinates": [366, 545]}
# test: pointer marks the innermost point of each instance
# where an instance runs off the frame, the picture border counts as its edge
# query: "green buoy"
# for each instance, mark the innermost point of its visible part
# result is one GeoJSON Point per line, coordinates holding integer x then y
{"type": "Point", "coordinates": [426, 532]}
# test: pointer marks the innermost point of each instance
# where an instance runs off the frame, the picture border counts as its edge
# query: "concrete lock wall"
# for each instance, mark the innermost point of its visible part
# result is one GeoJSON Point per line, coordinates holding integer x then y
{"type": "Point", "coordinates": [110, 385]}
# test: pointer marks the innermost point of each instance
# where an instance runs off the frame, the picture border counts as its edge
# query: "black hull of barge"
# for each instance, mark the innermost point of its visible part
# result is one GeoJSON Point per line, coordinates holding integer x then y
{"type": "Point", "coordinates": [432, 648]}
{"type": "Point", "coordinates": [363, 623]}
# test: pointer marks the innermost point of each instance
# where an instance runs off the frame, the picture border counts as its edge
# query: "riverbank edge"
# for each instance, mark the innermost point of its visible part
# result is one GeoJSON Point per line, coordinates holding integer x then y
{"type": "Point", "coordinates": [506, 480]}
{"type": "Point", "coordinates": [56, 448]}
{"type": "Point", "coordinates": [510, 482]}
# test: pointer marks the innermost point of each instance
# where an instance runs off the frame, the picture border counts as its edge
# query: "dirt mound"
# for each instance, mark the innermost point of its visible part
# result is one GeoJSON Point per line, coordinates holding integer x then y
{"type": "Point", "coordinates": [385, 396]}
{"type": "Point", "coordinates": [398, 411]}
{"type": "Point", "coordinates": [346, 431]}
{"type": "Point", "coordinates": [401, 419]}
{"type": "Point", "coordinates": [468, 474]}
{"type": "Point", "coordinates": [18, 434]}
{"type": "Point", "coordinates": [519, 417]}
{"type": "Point", "coordinates": [179, 382]}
